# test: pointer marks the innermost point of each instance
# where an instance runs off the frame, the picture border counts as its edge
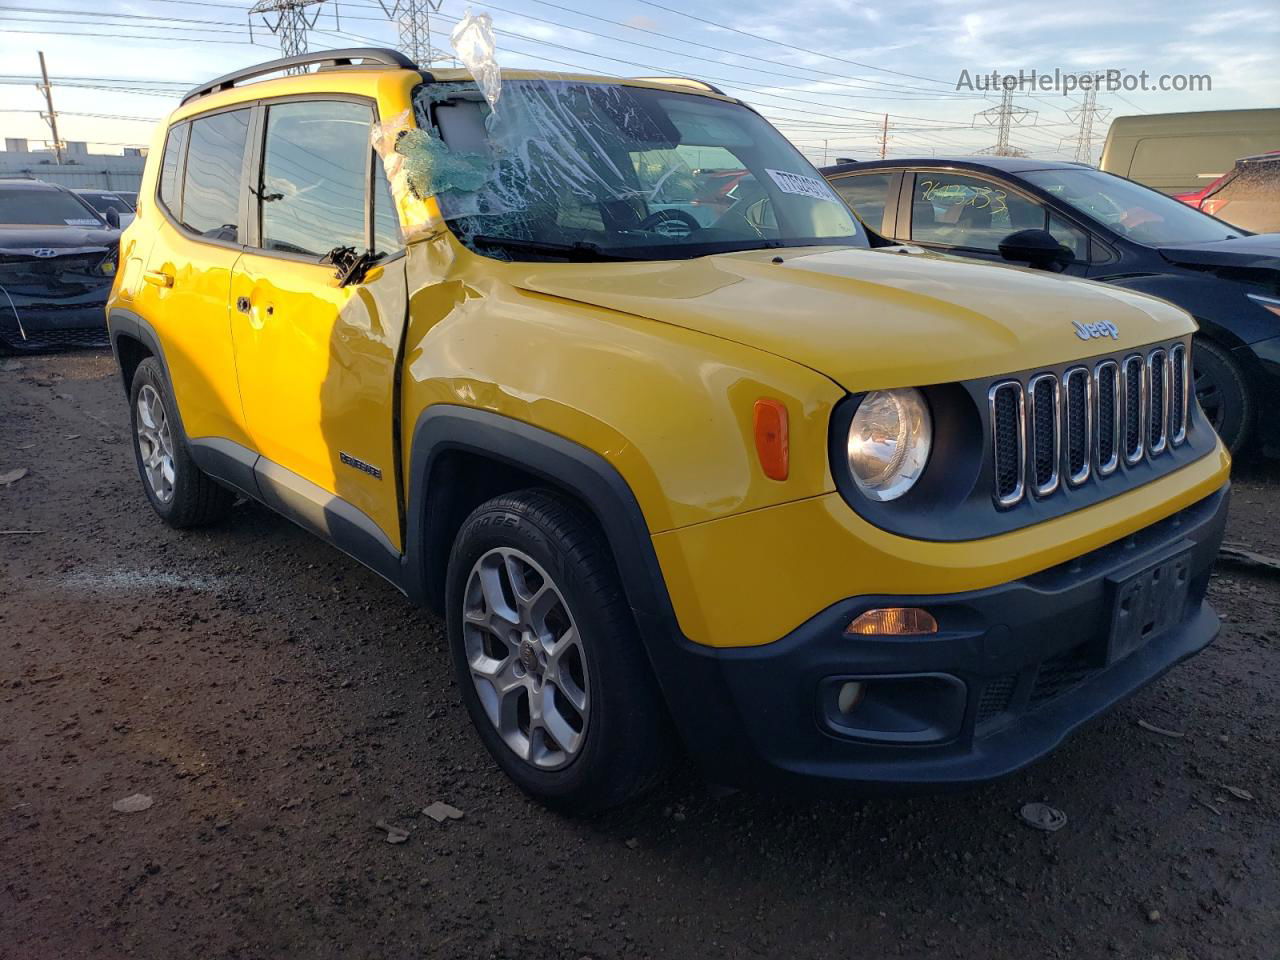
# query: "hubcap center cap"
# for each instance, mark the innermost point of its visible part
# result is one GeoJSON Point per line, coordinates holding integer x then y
{"type": "Point", "coordinates": [529, 657]}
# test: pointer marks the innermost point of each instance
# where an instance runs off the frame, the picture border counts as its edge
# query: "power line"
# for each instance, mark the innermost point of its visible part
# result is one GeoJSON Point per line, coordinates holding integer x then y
{"type": "Point", "coordinates": [1003, 118]}
{"type": "Point", "coordinates": [814, 53]}
{"type": "Point", "coordinates": [758, 89]}
{"type": "Point", "coordinates": [1129, 102]}
{"type": "Point", "coordinates": [291, 24]}
{"type": "Point", "coordinates": [413, 20]}
{"type": "Point", "coordinates": [1086, 113]}
{"type": "Point", "coordinates": [755, 68]}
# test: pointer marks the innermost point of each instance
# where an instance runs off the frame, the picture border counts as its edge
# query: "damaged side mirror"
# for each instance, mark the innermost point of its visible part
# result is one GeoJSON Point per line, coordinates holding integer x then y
{"type": "Point", "coordinates": [350, 267]}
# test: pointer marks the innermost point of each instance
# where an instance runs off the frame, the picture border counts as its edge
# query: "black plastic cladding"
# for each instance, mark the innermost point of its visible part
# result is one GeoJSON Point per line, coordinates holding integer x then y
{"type": "Point", "coordinates": [953, 501]}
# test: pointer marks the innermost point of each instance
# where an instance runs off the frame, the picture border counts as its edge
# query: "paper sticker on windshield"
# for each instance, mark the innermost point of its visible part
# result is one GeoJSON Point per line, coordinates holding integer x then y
{"type": "Point", "coordinates": [82, 222]}
{"type": "Point", "coordinates": [802, 186]}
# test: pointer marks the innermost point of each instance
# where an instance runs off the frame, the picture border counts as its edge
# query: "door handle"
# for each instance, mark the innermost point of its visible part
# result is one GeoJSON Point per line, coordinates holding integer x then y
{"type": "Point", "coordinates": [158, 278]}
{"type": "Point", "coordinates": [242, 304]}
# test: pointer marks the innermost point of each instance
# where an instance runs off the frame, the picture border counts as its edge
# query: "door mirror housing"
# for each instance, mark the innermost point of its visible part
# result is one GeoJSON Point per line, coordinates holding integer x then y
{"type": "Point", "coordinates": [1037, 248]}
{"type": "Point", "coordinates": [113, 218]}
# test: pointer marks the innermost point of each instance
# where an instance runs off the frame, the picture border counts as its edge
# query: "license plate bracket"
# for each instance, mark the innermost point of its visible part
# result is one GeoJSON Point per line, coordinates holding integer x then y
{"type": "Point", "coordinates": [1147, 604]}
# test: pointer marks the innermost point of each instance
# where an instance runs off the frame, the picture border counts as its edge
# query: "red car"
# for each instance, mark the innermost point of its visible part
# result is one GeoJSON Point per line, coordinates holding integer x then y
{"type": "Point", "coordinates": [1248, 197]}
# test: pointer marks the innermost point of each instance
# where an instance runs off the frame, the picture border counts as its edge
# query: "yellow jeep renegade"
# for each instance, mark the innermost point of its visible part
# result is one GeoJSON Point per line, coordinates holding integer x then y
{"type": "Point", "coordinates": [603, 371]}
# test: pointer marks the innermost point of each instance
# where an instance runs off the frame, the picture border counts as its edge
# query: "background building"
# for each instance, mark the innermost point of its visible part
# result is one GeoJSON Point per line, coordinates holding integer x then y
{"type": "Point", "coordinates": [79, 167]}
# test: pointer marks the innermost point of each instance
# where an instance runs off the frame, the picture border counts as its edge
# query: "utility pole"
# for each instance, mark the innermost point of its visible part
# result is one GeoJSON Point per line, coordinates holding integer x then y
{"type": "Point", "coordinates": [1004, 118]}
{"type": "Point", "coordinates": [290, 23]}
{"type": "Point", "coordinates": [413, 19]}
{"type": "Point", "coordinates": [51, 117]}
{"type": "Point", "coordinates": [884, 137]}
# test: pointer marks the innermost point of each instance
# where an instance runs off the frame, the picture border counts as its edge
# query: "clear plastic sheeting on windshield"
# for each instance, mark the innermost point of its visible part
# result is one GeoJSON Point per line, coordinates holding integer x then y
{"type": "Point", "coordinates": [472, 40]}
{"type": "Point", "coordinates": [574, 169]}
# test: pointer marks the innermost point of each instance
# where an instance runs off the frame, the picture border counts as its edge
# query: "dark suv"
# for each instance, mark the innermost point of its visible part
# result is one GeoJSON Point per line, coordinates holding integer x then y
{"type": "Point", "coordinates": [57, 260]}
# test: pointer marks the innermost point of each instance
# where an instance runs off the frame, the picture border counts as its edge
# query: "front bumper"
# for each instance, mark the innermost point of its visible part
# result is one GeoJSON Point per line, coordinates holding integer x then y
{"type": "Point", "coordinates": [1012, 672]}
{"type": "Point", "coordinates": [54, 320]}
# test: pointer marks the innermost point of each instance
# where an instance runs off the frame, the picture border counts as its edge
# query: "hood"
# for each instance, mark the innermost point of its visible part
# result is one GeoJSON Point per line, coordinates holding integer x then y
{"type": "Point", "coordinates": [872, 318]}
{"type": "Point", "coordinates": [1258, 252]}
{"type": "Point", "coordinates": [22, 240]}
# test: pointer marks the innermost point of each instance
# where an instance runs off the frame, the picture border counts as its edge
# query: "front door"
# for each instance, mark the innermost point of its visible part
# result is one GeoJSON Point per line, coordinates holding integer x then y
{"type": "Point", "coordinates": [317, 359]}
{"type": "Point", "coordinates": [969, 216]}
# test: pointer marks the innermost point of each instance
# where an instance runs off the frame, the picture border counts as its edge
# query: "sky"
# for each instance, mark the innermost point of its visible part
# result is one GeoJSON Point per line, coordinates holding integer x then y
{"type": "Point", "coordinates": [826, 74]}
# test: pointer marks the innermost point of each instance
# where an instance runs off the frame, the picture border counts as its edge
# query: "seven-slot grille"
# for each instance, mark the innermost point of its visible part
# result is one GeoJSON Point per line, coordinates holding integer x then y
{"type": "Point", "coordinates": [1069, 427]}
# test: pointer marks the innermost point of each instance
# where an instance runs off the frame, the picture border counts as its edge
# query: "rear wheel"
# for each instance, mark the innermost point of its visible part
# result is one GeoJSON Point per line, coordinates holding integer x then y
{"type": "Point", "coordinates": [547, 657]}
{"type": "Point", "coordinates": [1223, 394]}
{"type": "Point", "coordinates": [182, 494]}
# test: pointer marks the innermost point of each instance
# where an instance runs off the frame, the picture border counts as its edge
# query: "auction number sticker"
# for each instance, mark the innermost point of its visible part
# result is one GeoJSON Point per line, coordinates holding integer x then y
{"type": "Point", "coordinates": [802, 186]}
{"type": "Point", "coordinates": [82, 222]}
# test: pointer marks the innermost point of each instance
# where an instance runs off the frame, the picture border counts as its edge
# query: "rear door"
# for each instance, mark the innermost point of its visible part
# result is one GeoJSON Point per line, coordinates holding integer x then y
{"type": "Point", "coordinates": [316, 359]}
{"type": "Point", "coordinates": [187, 275]}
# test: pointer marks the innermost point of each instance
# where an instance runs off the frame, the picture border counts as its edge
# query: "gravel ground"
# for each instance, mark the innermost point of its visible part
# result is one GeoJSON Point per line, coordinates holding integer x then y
{"type": "Point", "coordinates": [276, 700]}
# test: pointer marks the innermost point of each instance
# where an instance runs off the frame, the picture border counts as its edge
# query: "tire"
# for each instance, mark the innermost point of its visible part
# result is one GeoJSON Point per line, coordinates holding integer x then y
{"type": "Point", "coordinates": [1223, 393]}
{"type": "Point", "coordinates": [601, 697]}
{"type": "Point", "coordinates": [182, 494]}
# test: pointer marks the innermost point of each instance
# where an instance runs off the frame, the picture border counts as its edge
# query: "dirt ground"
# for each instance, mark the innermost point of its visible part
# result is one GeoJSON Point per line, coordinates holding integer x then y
{"type": "Point", "coordinates": [276, 700]}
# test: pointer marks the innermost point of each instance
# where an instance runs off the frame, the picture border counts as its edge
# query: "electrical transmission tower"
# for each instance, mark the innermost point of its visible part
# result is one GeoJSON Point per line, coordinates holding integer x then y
{"type": "Point", "coordinates": [289, 20]}
{"type": "Point", "coordinates": [1085, 115]}
{"type": "Point", "coordinates": [1004, 118]}
{"type": "Point", "coordinates": [413, 19]}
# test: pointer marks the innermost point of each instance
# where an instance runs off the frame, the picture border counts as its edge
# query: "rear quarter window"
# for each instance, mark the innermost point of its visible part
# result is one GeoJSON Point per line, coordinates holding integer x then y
{"type": "Point", "coordinates": [175, 143]}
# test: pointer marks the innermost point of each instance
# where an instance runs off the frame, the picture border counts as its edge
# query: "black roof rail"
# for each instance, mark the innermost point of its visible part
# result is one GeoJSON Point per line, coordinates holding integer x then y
{"type": "Point", "coordinates": [346, 57]}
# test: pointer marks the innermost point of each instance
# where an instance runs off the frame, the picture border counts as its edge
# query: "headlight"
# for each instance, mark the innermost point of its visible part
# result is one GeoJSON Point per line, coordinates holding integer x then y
{"type": "Point", "coordinates": [889, 441]}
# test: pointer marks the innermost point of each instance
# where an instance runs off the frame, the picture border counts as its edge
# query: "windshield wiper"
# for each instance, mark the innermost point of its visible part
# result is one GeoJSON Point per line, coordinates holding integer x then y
{"type": "Point", "coordinates": [579, 250]}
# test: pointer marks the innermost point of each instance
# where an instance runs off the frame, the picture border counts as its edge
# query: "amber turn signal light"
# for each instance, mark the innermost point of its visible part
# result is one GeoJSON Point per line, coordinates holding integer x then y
{"type": "Point", "coordinates": [893, 622]}
{"type": "Point", "coordinates": [772, 443]}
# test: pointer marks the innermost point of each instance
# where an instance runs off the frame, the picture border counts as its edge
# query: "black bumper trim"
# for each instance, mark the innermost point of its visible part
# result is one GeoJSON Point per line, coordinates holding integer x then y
{"type": "Point", "coordinates": [751, 715]}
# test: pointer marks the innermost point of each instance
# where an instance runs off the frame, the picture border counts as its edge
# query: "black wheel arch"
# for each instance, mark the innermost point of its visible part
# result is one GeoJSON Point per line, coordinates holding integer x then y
{"type": "Point", "coordinates": [133, 340]}
{"type": "Point", "coordinates": [455, 448]}
{"type": "Point", "coordinates": [461, 456]}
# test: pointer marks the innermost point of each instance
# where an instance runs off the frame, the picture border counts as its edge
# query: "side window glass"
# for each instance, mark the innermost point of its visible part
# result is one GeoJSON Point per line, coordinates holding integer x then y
{"type": "Point", "coordinates": [386, 222]}
{"type": "Point", "coordinates": [959, 211]}
{"type": "Point", "coordinates": [866, 194]}
{"type": "Point", "coordinates": [1071, 237]}
{"type": "Point", "coordinates": [174, 144]}
{"type": "Point", "coordinates": [314, 170]}
{"type": "Point", "coordinates": [211, 184]}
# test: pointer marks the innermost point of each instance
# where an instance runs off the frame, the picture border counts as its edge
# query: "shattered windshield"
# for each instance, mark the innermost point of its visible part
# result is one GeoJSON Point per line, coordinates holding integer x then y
{"type": "Point", "coordinates": [567, 169]}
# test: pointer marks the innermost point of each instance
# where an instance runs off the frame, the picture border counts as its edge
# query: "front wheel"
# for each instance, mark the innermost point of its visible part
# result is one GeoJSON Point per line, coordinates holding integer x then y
{"type": "Point", "coordinates": [547, 656]}
{"type": "Point", "coordinates": [1223, 393]}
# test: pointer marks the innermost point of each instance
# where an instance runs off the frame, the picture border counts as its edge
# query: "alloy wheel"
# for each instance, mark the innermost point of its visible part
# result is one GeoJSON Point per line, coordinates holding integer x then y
{"type": "Point", "coordinates": [526, 658]}
{"type": "Point", "coordinates": [155, 444]}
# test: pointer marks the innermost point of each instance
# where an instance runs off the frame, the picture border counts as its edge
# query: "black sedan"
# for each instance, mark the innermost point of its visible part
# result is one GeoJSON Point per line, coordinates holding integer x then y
{"type": "Point", "coordinates": [1073, 219]}
{"type": "Point", "coordinates": [58, 258]}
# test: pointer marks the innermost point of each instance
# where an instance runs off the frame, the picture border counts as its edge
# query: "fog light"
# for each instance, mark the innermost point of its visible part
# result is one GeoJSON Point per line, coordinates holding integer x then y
{"type": "Point", "coordinates": [893, 621]}
{"type": "Point", "coordinates": [850, 696]}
